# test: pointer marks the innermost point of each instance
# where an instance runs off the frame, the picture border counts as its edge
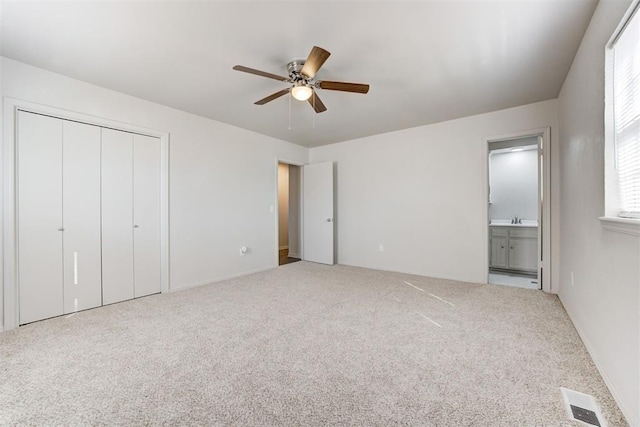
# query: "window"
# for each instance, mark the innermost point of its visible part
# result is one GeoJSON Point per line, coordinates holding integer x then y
{"type": "Point", "coordinates": [626, 114]}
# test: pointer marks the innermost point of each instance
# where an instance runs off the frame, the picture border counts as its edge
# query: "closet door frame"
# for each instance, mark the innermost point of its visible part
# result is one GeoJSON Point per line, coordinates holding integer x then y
{"type": "Point", "coordinates": [9, 297]}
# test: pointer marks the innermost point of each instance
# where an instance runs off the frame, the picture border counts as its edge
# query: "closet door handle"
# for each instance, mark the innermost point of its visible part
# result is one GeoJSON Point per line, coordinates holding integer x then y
{"type": "Point", "coordinates": [61, 229]}
{"type": "Point", "coordinates": [136, 226]}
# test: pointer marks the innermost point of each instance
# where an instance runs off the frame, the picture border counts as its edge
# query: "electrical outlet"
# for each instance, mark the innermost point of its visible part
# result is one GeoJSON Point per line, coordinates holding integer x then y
{"type": "Point", "coordinates": [243, 250]}
{"type": "Point", "coordinates": [380, 247]}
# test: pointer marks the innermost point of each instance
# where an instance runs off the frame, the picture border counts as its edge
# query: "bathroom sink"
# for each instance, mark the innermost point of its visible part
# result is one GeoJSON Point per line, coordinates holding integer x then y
{"type": "Point", "coordinates": [500, 222]}
{"type": "Point", "coordinates": [507, 223]}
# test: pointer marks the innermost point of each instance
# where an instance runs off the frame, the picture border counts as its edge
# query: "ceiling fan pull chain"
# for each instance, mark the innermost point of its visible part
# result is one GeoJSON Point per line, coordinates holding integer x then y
{"type": "Point", "coordinates": [313, 126]}
{"type": "Point", "coordinates": [290, 111]}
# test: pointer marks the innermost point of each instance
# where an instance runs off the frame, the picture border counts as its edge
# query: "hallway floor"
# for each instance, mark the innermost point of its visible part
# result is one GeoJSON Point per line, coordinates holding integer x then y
{"type": "Point", "coordinates": [513, 280]}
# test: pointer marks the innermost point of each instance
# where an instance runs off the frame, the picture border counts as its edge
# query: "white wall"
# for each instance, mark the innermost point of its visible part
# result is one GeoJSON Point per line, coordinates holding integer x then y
{"type": "Point", "coordinates": [514, 185]}
{"type": "Point", "coordinates": [222, 178]}
{"type": "Point", "coordinates": [604, 299]}
{"type": "Point", "coordinates": [420, 192]}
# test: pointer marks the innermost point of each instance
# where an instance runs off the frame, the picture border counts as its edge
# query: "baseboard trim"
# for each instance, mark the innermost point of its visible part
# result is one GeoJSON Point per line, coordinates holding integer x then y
{"type": "Point", "coordinates": [603, 373]}
{"type": "Point", "coordinates": [220, 279]}
{"type": "Point", "coordinates": [414, 273]}
{"type": "Point", "coordinates": [294, 255]}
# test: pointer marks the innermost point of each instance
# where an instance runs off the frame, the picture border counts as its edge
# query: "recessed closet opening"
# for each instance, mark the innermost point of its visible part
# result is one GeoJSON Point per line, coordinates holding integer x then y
{"type": "Point", "coordinates": [289, 234]}
{"type": "Point", "coordinates": [89, 200]}
{"type": "Point", "coordinates": [88, 216]}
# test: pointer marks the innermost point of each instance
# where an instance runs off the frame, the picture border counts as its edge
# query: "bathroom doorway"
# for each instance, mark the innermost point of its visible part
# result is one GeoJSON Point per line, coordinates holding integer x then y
{"type": "Point", "coordinates": [289, 233]}
{"type": "Point", "coordinates": [516, 211]}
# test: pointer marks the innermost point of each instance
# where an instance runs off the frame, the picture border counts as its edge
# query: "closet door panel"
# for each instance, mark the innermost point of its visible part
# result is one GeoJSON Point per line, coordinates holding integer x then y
{"type": "Point", "coordinates": [81, 211]}
{"type": "Point", "coordinates": [117, 216]}
{"type": "Point", "coordinates": [146, 213]}
{"type": "Point", "coordinates": [39, 216]}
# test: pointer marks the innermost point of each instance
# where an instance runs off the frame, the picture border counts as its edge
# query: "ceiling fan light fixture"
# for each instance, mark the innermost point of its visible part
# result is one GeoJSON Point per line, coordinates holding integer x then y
{"type": "Point", "coordinates": [301, 83]}
{"type": "Point", "coordinates": [301, 92]}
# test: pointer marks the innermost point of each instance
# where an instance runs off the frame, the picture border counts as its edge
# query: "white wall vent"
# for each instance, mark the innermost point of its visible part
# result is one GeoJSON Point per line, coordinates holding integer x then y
{"type": "Point", "coordinates": [583, 408]}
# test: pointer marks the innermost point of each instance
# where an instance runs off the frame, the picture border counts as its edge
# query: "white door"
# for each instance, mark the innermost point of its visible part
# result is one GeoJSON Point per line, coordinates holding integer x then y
{"type": "Point", "coordinates": [39, 217]}
{"type": "Point", "coordinates": [318, 212]}
{"type": "Point", "coordinates": [146, 215]}
{"type": "Point", "coordinates": [117, 216]}
{"type": "Point", "coordinates": [81, 214]}
{"type": "Point", "coordinates": [542, 214]}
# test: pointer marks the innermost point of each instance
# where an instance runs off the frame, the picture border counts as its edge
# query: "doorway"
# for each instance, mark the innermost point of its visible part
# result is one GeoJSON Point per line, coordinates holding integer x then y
{"type": "Point", "coordinates": [517, 211]}
{"type": "Point", "coordinates": [289, 213]}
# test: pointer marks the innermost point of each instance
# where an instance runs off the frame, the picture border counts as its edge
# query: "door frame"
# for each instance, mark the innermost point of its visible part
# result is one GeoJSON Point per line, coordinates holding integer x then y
{"type": "Point", "coordinates": [544, 219]}
{"type": "Point", "coordinates": [9, 268]}
{"type": "Point", "coordinates": [277, 213]}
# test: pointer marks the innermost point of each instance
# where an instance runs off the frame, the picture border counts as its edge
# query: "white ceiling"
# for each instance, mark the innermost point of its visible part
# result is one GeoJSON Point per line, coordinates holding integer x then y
{"type": "Point", "coordinates": [426, 61]}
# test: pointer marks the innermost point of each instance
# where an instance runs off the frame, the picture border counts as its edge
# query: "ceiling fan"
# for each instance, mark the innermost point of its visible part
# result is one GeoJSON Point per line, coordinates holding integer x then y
{"type": "Point", "coordinates": [301, 78]}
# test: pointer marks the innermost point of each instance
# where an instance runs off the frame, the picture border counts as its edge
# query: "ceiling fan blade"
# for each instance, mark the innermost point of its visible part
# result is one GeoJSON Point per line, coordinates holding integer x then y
{"type": "Point", "coordinates": [344, 87]}
{"type": "Point", "coordinates": [260, 73]}
{"type": "Point", "coordinates": [316, 58]}
{"type": "Point", "coordinates": [317, 105]}
{"type": "Point", "coordinates": [272, 97]}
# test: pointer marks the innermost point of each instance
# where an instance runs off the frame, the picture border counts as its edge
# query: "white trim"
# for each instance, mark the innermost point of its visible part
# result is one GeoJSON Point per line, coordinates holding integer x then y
{"type": "Point", "coordinates": [221, 279]}
{"type": "Point", "coordinates": [544, 221]}
{"type": "Point", "coordinates": [9, 254]}
{"type": "Point", "coordinates": [624, 22]}
{"type": "Point", "coordinates": [611, 192]}
{"type": "Point", "coordinates": [276, 212]}
{"type": "Point", "coordinates": [611, 196]}
{"type": "Point", "coordinates": [416, 273]}
{"type": "Point", "coordinates": [621, 225]}
{"type": "Point", "coordinates": [597, 362]}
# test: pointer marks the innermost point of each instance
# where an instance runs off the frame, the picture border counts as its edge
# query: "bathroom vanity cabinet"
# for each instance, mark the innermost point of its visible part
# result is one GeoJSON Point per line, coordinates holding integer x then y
{"type": "Point", "coordinates": [513, 248]}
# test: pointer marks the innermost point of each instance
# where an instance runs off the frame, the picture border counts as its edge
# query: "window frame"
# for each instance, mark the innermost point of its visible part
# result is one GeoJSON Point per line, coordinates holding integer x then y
{"type": "Point", "coordinates": [611, 220]}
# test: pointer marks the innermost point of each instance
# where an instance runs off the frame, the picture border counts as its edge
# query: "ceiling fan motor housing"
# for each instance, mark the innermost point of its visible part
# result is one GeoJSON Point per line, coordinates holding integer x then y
{"type": "Point", "coordinates": [294, 68]}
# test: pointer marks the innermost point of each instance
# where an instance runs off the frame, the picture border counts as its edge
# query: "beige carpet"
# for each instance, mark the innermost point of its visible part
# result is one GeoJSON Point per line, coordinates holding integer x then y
{"type": "Point", "coordinates": [304, 344]}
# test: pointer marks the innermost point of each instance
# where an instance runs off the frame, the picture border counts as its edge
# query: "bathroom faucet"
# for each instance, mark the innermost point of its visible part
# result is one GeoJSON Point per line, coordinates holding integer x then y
{"type": "Point", "coordinates": [516, 220]}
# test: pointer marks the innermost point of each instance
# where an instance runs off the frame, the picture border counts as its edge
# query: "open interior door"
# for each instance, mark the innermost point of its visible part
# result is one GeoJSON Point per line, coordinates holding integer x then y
{"type": "Point", "coordinates": [318, 213]}
{"type": "Point", "coordinates": [541, 212]}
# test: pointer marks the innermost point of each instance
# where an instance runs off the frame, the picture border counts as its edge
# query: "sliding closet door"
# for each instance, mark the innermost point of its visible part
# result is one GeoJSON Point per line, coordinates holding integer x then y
{"type": "Point", "coordinates": [39, 217]}
{"type": "Point", "coordinates": [81, 212]}
{"type": "Point", "coordinates": [117, 216]}
{"type": "Point", "coordinates": [146, 214]}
